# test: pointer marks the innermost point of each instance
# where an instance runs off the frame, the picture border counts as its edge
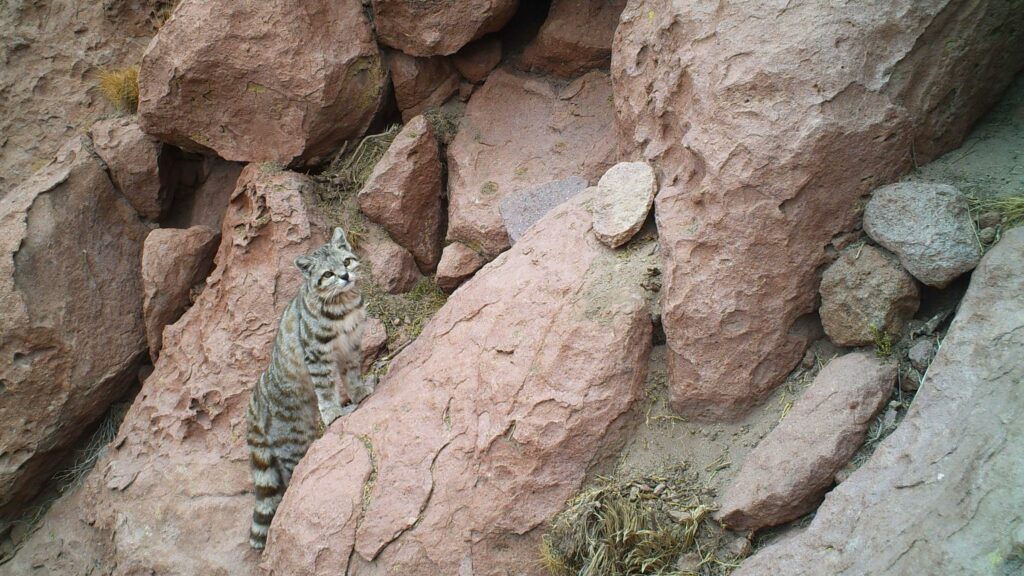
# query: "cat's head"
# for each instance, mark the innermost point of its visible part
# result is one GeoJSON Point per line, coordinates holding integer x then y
{"type": "Point", "coordinates": [331, 269]}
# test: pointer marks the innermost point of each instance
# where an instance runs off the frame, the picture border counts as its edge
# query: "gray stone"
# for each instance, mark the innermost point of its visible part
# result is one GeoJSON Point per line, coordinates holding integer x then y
{"type": "Point", "coordinates": [787, 475]}
{"type": "Point", "coordinates": [863, 293]}
{"type": "Point", "coordinates": [523, 209]}
{"type": "Point", "coordinates": [921, 353]}
{"type": "Point", "coordinates": [941, 494]}
{"type": "Point", "coordinates": [928, 226]}
{"type": "Point", "coordinates": [627, 193]}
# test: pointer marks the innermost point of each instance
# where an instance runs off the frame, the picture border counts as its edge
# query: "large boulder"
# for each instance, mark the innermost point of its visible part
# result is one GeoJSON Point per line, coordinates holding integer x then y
{"type": "Point", "coordinates": [262, 82]}
{"type": "Point", "coordinates": [576, 37]}
{"type": "Point", "coordinates": [477, 436]}
{"type": "Point", "coordinates": [941, 494]}
{"type": "Point", "coordinates": [768, 126]}
{"type": "Point", "coordinates": [51, 54]}
{"type": "Point", "coordinates": [404, 193]}
{"type": "Point", "coordinates": [928, 226]}
{"type": "Point", "coordinates": [438, 27]}
{"type": "Point", "coordinates": [421, 83]}
{"type": "Point", "coordinates": [864, 295]}
{"type": "Point", "coordinates": [172, 494]}
{"type": "Point", "coordinates": [519, 132]}
{"type": "Point", "coordinates": [140, 166]}
{"type": "Point", "coordinates": [174, 260]}
{"type": "Point", "coordinates": [72, 335]}
{"type": "Point", "coordinates": [791, 469]}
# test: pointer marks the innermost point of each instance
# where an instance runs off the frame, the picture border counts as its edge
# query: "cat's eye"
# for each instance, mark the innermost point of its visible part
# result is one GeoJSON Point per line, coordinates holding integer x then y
{"type": "Point", "coordinates": [349, 261]}
{"type": "Point", "coordinates": [327, 275]}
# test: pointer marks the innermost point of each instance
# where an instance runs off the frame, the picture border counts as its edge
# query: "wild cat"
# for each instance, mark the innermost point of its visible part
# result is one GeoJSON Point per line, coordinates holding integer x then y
{"type": "Point", "coordinates": [317, 344]}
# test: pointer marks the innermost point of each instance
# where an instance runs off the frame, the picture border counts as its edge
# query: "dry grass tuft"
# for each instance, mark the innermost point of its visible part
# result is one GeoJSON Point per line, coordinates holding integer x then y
{"type": "Point", "coordinates": [121, 88]}
{"type": "Point", "coordinates": [350, 168]}
{"type": "Point", "coordinates": [1010, 210]}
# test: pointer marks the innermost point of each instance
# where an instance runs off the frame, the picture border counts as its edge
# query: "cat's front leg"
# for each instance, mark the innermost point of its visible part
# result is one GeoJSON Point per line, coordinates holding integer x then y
{"type": "Point", "coordinates": [323, 373]}
{"type": "Point", "coordinates": [359, 386]}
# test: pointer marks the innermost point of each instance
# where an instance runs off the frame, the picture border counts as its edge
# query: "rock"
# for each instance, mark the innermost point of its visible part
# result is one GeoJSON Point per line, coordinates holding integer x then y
{"type": "Point", "coordinates": [521, 210]}
{"type": "Point", "coordinates": [375, 338]}
{"type": "Point", "coordinates": [138, 164]}
{"type": "Point", "coordinates": [576, 37]}
{"type": "Point", "coordinates": [989, 220]}
{"type": "Point", "coordinates": [421, 83]}
{"type": "Point", "coordinates": [921, 353]}
{"type": "Point", "coordinates": [767, 138]}
{"type": "Point", "coordinates": [936, 496]}
{"type": "Point", "coordinates": [176, 478]}
{"type": "Point", "coordinates": [476, 59]}
{"type": "Point", "coordinates": [202, 200]}
{"type": "Point", "coordinates": [987, 235]}
{"type": "Point", "coordinates": [787, 474]}
{"type": "Point", "coordinates": [438, 28]}
{"type": "Point", "coordinates": [393, 268]}
{"type": "Point", "coordinates": [492, 438]}
{"type": "Point", "coordinates": [404, 193]}
{"type": "Point", "coordinates": [866, 293]}
{"type": "Point", "coordinates": [173, 261]}
{"type": "Point", "coordinates": [262, 83]}
{"type": "Point", "coordinates": [626, 194]}
{"type": "Point", "coordinates": [928, 226]}
{"type": "Point", "coordinates": [465, 90]}
{"type": "Point", "coordinates": [910, 381]}
{"type": "Point", "coordinates": [458, 264]}
{"type": "Point", "coordinates": [72, 336]}
{"type": "Point", "coordinates": [50, 56]}
{"type": "Point", "coordinates": [519, 132]}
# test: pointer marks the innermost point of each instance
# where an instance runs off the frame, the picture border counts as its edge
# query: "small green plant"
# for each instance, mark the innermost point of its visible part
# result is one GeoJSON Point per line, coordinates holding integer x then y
{"type": "Point", "coordinates": [883, 342]}
{"type": "Point", "coordinates": [120, 87]}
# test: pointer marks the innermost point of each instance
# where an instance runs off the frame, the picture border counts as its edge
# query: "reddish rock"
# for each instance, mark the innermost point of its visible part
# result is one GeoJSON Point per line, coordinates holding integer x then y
{"type": "Point", "coordinates": [262, 82]}
{"type": "Point", "coordinates": [173, 261]}
{"type": "Point", "coordinates": [375, 338]}
{"type": "Point", "coordinates": [458, 264]}
{"type": "Point", "coordinates": [625, 195]}
{"type": "Point", "coordinates": [767, 137]}
{"type": "Point", "coordinates": [203, 199]}
{"type": "Point", "coordinates": [421, 83]}
{"type": "Point", "coordinates": [138, 164]}
{"type": "Point", "coordinates": [438, 28]}
{"type": "Point", "coordinates": [519, 132]}
{"type": "Point", "coordinates": [866, 293]}
{"type": "Point", "coordinates": [938, 496]}
{"type": "Point", "coordinates": [521, 210]}
{"type": "Point", "coordinates": [476, 437]}
{"type": "Point", "coordinates": [576, 37]}
{"type": "Point", "coordinates": [404, 193]}
{"type": "Point", "coordinates": [176, 478]}
{"type": "Point", "coordinates": [789, 472]}
{"type": "Point", "coordinates": [72, 336]}
{"type": "Point", "coordinates": [476, 60]}
{"type": "Point", "coordinates": [392, 267]}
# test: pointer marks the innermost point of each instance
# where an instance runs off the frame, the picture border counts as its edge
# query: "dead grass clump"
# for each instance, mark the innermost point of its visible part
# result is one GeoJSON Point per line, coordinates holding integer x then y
{"type": "Point", "coordinates": [121, 88]}
{"type": "Point", "coordinates": [404, 315]}
{"type": "Point", "coordinates": [445, 124]}
{"type": "Point", "coordinates": [351, 167]}
{"type": "Point", "coordinates": [1009, 209]}
{"type": "Point", "coordinates": [637, 527]}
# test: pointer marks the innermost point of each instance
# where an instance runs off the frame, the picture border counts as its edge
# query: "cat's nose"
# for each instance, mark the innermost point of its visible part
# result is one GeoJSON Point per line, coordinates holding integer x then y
{"type": "Point", "coordinates": [344, 275]}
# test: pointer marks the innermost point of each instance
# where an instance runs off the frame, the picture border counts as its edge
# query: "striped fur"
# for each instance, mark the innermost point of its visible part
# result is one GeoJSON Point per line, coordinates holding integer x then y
{"type": "Point", "coordinates": [317, 346]}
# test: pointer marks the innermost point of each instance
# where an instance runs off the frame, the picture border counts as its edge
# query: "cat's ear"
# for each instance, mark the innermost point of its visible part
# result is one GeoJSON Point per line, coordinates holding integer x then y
{"type": "Point", "coordinates": [339, 240]}
{"type": "Point", "coordinates": [304, 263]}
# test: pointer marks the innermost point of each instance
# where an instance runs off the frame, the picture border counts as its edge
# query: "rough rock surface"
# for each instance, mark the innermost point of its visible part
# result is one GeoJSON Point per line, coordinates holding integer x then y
{"type": "Point", "coordinates": [50, 53]}
{"type": "Point", "coordinates": [202, 200]}
{"type": "Point", "coordinates": [788, 473]}
{"type": "Point", "coordinates": [175, 480]}
{"type": "Point", "coordinates": [394, 268]}
{"type": "Point", "coordinates": [522, 209]}
{"type": "Point", "coordinates": [458, 264]}
{"type": "Point", "coordinates": [438, 27]}
{"type": "Point", "coordinates": [421, 83]}
{"type": "Point", "coordinates": [938, 495]}
{"type": "Point", "coordinates": [404, 193]}
{"type": "Point", "coordinates": [262, 82]}
{"type": "Point", "coordinates": [928, 226]}
{"type": "Point", "coordinates": [71, 336]}
{"type": "Point", "coordinates": [476, 60]}
{"type": "Point", "coordinates": [519, 132]}
{"type": "Point", "coordinates": [921, 354]}
{"type": "Point", "coordinates": [173, 261]}
{"type": "Point", "coordinates": [375, 337]}
{"type": "Point", "coordinates": [492, 436]}
{"type": "Point", "coordinates": [863, 293]}
{"type": "Point", "coordinates": [767, 137]}
{"type": "Point", "coordinates": [139, 165]}
{"type": "Point", "coordinates": [576, 37]}
{"type": "Point", "coordinates": [626, 193]}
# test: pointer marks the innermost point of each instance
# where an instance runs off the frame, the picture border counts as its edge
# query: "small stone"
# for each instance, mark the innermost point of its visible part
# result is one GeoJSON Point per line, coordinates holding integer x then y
{"type": "Point", "coordinates": [466, 90]}
{"type": "Point", "coordinates": [476, 60]}
{"type": "Point", "coordinates": [458, 263]}
{"type": "Point", "coordinates": [681, 516]}
{"type": "Point", "coordinates": [739, 547]}
{"type": "Point", "coordinates": [627, 192]}
{"type": "Point", "coordinates": [521, 210]}
{"type": "Point", "coordinates": [689, 562]}
{"type": "Point", "coordinates": [987, 235]}
{"type": "Point", "coordinates": [920, 354]}
{"type": "Point", "coordinates": [394, 268]}
{"type": "Point", "coordinates": [375, 337]}
{"type": "Point", "coordinates": [928, 226]}
{"type": "Point", "coordinates": [910, 381]}
{"type": "Point", "coordinates": [421, 83]}
{"type": "Point", "coordinates": [989, 220]}
{"type": "Point", "coordinates": [808, 360]}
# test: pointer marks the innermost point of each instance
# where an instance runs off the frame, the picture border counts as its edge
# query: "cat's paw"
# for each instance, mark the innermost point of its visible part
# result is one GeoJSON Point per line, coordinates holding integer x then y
{"type": "Point", "coordinates": [365, 388]}
{"type": "Point", "coordinates": [334, 412]}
